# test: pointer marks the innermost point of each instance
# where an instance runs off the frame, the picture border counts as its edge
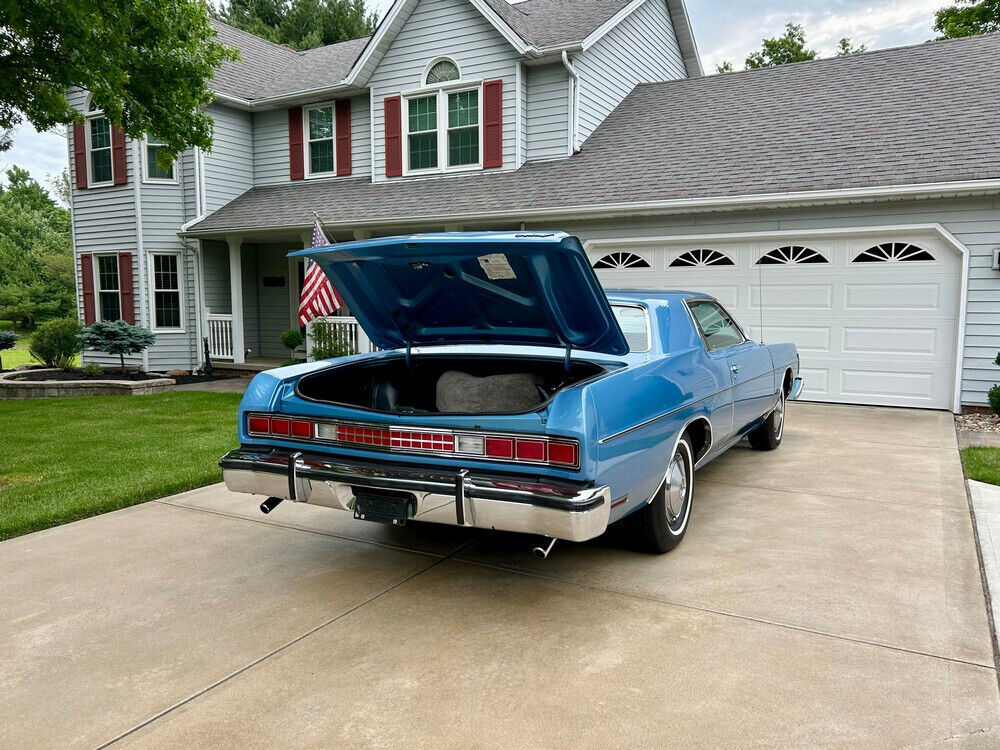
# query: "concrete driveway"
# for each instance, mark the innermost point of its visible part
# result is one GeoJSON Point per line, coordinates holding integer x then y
{"type": "Point", "coordinates": [827, 594]}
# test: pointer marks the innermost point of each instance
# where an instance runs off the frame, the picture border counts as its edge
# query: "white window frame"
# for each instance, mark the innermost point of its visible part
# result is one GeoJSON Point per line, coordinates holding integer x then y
{"type": "Point", "coordinates": [430, 66]}
{"type": "Point", "coordinates": [153, 290]}
{"type": "Point", "coordinates": [441, 91]}
{"type": "Point", "coordinates": [98, 290]}
{"type": "Point", "coordinates": [91, 116]}
{"type": "Point", "coordinates": [145, 167]}
{"type": "Point", "coordinates": [306, 156]}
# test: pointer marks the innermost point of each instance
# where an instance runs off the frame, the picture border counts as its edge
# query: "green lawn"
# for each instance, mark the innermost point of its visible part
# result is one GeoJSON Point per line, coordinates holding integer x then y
{"type": "Point", "coordinates": [63, 459]}
{"type": "Point", "coordinates": [982, 464]}
{"type": "Point", "coordinates": [19, 354]}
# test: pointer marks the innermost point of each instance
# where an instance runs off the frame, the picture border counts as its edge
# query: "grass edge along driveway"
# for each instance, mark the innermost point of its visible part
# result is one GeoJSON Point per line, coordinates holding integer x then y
{"type": "Point", "coordinates": [982, 464]}
{"type": "Point", "coordinates": [64, 459]}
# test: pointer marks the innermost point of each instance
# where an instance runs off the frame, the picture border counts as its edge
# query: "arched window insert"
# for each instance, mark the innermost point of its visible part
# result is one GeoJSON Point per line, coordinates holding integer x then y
{"type": "Point", "coordinates": [702, 258]}
{"type": "Point", "coordinates": [443, 126]}
{"type": "Point", "coordinates": [791, 255]}
{"type": "Point", "coordinates": [893, 252]}
{"type": "Point", "coordinates": [622, 260]}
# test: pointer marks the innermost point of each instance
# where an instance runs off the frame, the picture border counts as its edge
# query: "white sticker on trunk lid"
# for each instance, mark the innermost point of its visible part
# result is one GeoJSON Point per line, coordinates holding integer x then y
{"type": "Point", "coordinates": [496, 266]}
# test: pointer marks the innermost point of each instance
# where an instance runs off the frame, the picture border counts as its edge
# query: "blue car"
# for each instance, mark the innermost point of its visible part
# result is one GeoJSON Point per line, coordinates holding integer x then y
{"type": "Point", "coordinates": [510, 392]}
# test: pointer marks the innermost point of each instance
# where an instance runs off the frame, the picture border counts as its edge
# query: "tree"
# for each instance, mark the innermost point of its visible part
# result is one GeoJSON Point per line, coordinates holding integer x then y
{"type": "Point", "coordinates": [7, 341]}
{"type": "Point", "coordinates": [117, 337]}
{"type": "Point", "coordinates": [726, 66]}
{"type": "Point", "coordinates": [301, 24]}
{"type": "Point", "coordinates": [846, 47]}
{"type": "Point", "coordinates": [37, 277]}
{"type": "Point", "coordinates": [968, 18]}
{"type": "Point", "coordinates": [59, 186]}
{"type": "Point", "coordinates": [790, 47]}
{"type": "Point", "coordinates": [147, 64]}
{"type": "Point", "coordinates": [56, 342]}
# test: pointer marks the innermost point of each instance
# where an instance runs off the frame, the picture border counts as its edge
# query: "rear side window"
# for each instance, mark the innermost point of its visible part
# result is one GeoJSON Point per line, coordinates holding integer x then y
{"type": "Point", "coordinates": [717, 328]}
{"type": "Point", "coordinates": [634, 325]}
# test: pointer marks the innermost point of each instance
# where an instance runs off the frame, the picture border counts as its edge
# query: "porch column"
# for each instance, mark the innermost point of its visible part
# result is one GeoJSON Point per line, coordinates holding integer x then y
{"type": "Point", "coordinates": [236, 297]}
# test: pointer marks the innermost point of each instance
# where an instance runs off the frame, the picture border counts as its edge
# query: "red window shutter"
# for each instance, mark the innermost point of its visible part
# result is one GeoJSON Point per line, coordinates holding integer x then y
{"type": "Point", "coordinates": [80, 155]}
{"type": "Point", "coordinates": [118, 156]}
{"type": "Point", "coordinates": [296, 164]}
{"type": "Point", "coordinates": [344, 137]}
{"type": "Point", "coordinates": [125, 292]}
{"type": "Point", "coordinates": [87, 285]}
{"type": "Point", "coordinates": [393, 137]}
{"type": "Point", "coordinates": [492, 124]}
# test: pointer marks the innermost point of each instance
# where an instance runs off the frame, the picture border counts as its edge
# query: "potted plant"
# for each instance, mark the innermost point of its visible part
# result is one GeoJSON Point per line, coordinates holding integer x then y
{"type": "Point", "coordinates": [994, 393]}
{"type": "Point", "coordinates": [293, 339]}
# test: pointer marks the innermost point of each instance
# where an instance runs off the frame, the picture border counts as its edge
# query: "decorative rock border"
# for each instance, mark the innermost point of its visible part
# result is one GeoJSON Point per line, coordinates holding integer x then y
{"type": "Point", "coordinates": [11, 389]}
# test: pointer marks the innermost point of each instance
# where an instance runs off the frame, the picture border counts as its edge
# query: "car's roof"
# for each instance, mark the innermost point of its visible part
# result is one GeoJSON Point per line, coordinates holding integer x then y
{"type": "Point", "coordinates": [650, 295]}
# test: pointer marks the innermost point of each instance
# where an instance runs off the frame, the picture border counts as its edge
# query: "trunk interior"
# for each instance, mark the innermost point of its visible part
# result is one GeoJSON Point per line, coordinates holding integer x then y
{"type": "Point", "coordinates": [447, 384]}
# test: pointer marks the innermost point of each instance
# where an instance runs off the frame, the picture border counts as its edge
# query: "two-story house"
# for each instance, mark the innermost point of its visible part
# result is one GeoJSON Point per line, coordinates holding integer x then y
{"type": "Point", "coordinates": [850, 205]}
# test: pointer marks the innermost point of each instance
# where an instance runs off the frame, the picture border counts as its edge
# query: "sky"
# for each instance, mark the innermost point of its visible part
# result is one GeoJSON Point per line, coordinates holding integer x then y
{"type": "Point", "coordinates": [724, 30]}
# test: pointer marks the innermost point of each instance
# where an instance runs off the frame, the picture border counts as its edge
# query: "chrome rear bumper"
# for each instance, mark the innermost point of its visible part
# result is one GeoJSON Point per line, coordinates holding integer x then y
{"type": "Point", "coordinates": [796, 389]}
{"type": "Point", "coordinates": [485, 500]}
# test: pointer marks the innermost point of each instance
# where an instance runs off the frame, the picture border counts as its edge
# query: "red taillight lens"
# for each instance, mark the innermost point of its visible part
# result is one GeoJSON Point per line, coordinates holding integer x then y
{"type": "Point", "coordinates": [563, 453]}
{"type": "Point", "coordinates": [259, 425]}
{"type": "Point", "coordinates": [499, 447]}
{"type": "Point", "coordinates": [301, 428]}
{"type": "Point", "coordinates": [281, 426]}
{"type": "Point", "coordinates": [530, 450]}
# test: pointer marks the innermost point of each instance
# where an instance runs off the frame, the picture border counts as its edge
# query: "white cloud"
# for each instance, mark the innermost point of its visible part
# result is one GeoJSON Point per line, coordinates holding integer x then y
{"type": "Point", "coordinates": [42, 154]}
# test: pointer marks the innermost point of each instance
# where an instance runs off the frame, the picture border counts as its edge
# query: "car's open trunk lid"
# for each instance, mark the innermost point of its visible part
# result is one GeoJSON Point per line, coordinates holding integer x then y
{"type": "Point", "coordinates": [535, 289]}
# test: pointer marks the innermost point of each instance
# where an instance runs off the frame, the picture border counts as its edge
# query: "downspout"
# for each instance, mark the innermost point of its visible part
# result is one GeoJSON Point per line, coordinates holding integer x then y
{"type": "Point", "coordinates": [574, 108]}
{"type": "Point", "coordinates": [139, 248]}
{"type": "Point", "coordinates": [199, 192]}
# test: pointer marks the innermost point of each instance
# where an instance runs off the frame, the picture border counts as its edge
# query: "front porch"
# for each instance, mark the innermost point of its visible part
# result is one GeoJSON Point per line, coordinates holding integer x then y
{"type": "Point", "coordinates": [250, 297]}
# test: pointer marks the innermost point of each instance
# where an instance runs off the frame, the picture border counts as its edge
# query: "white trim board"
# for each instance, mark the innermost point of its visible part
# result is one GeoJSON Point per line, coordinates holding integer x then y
{"type": "Point", "coordinates": [935, 230]}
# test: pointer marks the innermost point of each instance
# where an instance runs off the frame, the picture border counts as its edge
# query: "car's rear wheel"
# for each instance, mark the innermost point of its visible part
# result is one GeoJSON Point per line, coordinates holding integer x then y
{"type": "Point", "coordinates": [661, 524]}
{"type": "Point", "coordinates": [767, 437]}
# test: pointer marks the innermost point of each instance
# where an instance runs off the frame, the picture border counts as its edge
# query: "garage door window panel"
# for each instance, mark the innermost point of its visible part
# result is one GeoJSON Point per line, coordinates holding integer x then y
{"type": "Point", "coordinates": [621, 261]}
{"type": "Point", "coordinates": [894, 252]}
{"type": "Point", "coordinates": [717, 328]}
{"type": "Point", "coordinates": [792, 255]}
{"type": "Point", "coordinates": [702, 259]}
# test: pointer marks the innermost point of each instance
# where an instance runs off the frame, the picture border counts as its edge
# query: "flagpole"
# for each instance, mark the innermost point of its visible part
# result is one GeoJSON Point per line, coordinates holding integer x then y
{"type": "Point", "coordinates": [326, 231]}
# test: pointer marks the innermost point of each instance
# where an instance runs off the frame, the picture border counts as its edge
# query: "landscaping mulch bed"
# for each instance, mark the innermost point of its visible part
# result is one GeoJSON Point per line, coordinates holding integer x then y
{"type": "Point", "coordinates": [978, 422]}
{"type": "Point", "coordinates": [135, 377]}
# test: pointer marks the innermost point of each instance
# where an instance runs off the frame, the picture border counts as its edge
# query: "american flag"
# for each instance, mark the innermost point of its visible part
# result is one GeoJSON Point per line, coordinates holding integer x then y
{"type": "Point", "coordinates": [318, 297]}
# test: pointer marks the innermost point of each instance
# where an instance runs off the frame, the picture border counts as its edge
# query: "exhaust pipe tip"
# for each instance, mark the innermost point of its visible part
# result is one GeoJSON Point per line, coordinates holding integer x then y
{"type": "Point", "coordinates": [270, 504]}
{"type": "Point", "coordinates": [542, 553]}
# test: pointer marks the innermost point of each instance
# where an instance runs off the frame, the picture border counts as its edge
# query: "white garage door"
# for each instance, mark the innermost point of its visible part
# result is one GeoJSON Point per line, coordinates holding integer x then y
{"type": "Point", "coordinates": [874, 317]}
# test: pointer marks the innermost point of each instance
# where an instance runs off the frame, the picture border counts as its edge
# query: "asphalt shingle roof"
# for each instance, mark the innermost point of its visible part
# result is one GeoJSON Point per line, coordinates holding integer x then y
{"type": "Point", "coordinates": [551, 22]}
{"type": "Point", "coordinates": [268, 69]}
{"type": "Point", "coordinates": [913, 115]}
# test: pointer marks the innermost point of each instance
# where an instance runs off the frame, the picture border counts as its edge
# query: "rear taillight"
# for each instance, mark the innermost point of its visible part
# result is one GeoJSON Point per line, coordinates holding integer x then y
{"type": "Point", "coordinates": [526, 449]}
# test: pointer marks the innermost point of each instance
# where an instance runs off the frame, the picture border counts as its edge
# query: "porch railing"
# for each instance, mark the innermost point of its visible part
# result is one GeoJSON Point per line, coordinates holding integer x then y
{"type": "Point", "coordinates": [220, 335]}
{"type": "Point", "coordinates": [344, 332]}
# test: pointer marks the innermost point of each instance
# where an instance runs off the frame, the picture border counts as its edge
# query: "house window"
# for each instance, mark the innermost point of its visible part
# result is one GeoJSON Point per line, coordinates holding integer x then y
{"type": "Point", "coordinates": [893, 252]}
{"type": "Point", "coordinates": [701, 258]}
{"type": "Point", "coordinates": [319, 138]}
{"type": "Point", "coordinates": [109, 306]}
{"type": "Point", "coordinates": [791, 255]}
{"type": "Point", "coordinates": [443, 126]}
{"type": "Point", "coordinates": [153, 169]}
{"type": "Point", "coordinates": [99, 151]}
{"type": "Point", "coordinates": [166, 291]}
{"type": "Point", "coordinates": [622, 260]}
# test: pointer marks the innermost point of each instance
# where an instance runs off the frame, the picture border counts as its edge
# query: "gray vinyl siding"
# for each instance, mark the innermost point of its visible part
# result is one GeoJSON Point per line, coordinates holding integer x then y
{"type": "Point", "coordinates": [445, 28]}
{"type": "Point", "coordinates": [215, 260]}
{"type": "Point", "coordinates": [547, 113]}
{"type": "Point", "coordinates": [270, 143]}
{"type": "Point", "coordinates": [270, 147]}
{"type": "Point", "coordinates": [229, 165]}
{"type": "Point", "coordinates": [643, 47]}
{"type": "Point", "coordinates": [975, 223]}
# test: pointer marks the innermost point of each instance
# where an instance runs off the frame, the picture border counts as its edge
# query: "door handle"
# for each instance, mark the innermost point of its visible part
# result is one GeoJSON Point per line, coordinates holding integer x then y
{"type": "Point", "coordinates": [735, 369]}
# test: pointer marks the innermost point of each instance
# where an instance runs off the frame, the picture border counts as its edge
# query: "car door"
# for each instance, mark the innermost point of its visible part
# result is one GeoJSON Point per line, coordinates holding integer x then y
{"type": "Point", "coordinates": [749, 364]}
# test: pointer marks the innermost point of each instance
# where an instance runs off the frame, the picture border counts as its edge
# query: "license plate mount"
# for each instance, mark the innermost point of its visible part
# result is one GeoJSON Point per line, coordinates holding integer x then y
{"type": "Point", "coordinates": [393, 508]}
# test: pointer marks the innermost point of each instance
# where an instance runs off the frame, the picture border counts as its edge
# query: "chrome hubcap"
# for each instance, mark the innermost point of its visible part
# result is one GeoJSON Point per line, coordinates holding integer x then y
{"type": "Point", "coordinates": [779, 417]}
{"type": "Point", "coordinates": [676, 489]}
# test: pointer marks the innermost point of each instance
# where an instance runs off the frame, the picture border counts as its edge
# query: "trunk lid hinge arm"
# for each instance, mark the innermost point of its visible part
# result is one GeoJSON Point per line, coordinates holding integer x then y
{"type": "Point", "coordinates": [409, 346]}
{"type": "Point", "coordinates": [569, 351]}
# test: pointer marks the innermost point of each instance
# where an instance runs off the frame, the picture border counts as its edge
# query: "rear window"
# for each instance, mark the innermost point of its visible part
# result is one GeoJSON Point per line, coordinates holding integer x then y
{"type": "Point", "coordinates": [635, 325]}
